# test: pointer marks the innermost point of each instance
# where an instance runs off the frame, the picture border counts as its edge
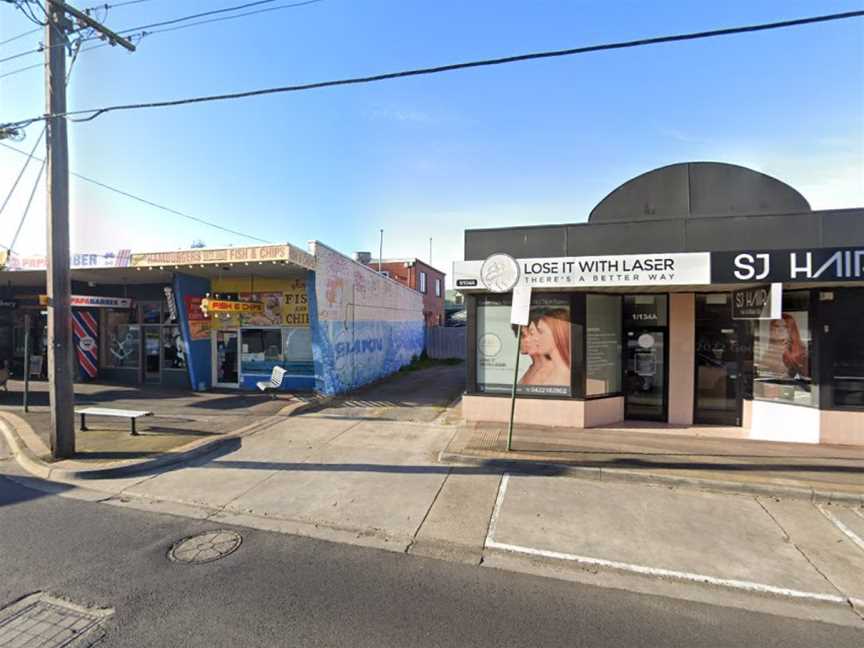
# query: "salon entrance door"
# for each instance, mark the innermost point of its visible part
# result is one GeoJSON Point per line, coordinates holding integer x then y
{"type": "Point", "coordinates": [645, 374]}
{"type": "Point", "coordinates": [718, 383]}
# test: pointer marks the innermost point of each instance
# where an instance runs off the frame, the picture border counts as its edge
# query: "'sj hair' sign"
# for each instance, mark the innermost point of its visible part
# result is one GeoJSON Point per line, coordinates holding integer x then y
{"type": "Point", "coordinates": [620, 270]}
{"type": "Point", "coordinates": [823, 264]}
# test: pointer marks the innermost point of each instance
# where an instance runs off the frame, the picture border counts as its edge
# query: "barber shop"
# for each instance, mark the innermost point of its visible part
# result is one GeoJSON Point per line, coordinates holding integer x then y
{"type": "Point", "coordinates": [698, 298]}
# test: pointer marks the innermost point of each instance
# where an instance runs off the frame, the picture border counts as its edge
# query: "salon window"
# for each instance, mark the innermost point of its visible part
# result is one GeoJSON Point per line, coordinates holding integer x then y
{"type": "Point", "coordinates": [846, 369]}
{"type": "Point", "coordinates": [783, 354]}
{"type": "Point", "coordinates": [603, 345]}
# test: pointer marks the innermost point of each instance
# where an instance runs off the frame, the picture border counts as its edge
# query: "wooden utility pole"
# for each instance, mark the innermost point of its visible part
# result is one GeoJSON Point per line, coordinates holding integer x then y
{"type": "Point", "coordinates": [60, 390]}
{"type": "Point", "coordinates": [60, 353]}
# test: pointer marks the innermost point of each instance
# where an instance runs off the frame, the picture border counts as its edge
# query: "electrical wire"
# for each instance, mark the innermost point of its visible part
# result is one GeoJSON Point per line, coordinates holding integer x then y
{"type": "Point", "coordinates": [146, 201]}
{"type": "Point", "coordinates": [14, 38]}
{"type": "Point", "coordinates": [20, 54]}
{"type": "Point", "coordinates": [96, 112]}
{"type": "Point", "coordinates": [30, 157]}
{"type": "Point", "coordinates": [24, 69]}
{"type": "Point", "coordinates": [114, 5]}
{"type": "Point", "coordinates": [142, 34]}
{"type": "Point", "coordinates": [204, 14]}
{"type": "Point", "coordinates": [11, 247]}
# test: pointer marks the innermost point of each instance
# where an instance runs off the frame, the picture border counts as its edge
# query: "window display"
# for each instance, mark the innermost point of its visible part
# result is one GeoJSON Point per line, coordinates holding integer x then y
{"type": "Point", "coordinates": [603, 348]}
{"type": "Point", "coordinates": [121, 341]}
{"type": "Point", "coordinates": [847, 352]}
{"type": "Point", "coordinates": [173, 350]}
{"type": "Point", "coordinates": [545, 349]}
{"type": "Point", "coordinates": [782, 354]}
{"type": "Point", "coordinates": [260, 350]}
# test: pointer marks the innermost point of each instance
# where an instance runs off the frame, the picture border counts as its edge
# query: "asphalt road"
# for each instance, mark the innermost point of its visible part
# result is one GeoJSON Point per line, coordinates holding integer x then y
{"type": "Point", "coordinates": [280, 590]}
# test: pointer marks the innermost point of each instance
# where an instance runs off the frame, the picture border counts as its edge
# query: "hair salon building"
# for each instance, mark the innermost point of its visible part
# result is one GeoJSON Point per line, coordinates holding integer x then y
{"type": "Point", "coordinates": [698, 294]}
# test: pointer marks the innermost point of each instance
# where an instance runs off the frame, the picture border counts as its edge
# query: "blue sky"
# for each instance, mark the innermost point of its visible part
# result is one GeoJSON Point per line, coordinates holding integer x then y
{"type": "Point", "coordinates": [528, 143]}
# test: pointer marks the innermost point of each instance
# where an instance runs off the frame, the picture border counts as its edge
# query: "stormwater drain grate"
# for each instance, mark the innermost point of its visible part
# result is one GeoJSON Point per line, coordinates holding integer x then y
{"type": "Point", "coordinates": [205, 547]}
{"type": "Point", "coordinates": [48, 622]}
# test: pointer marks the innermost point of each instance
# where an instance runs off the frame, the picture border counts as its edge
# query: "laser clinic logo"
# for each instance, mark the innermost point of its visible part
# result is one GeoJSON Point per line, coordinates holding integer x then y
{"type": "Point", "coordinates": [489, 345]}
{"type": "Point", "coordinates": [499, 273]}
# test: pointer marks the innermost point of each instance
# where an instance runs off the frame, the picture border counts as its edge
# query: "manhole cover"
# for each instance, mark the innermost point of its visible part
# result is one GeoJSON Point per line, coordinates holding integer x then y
{"type": "Point", "coordinates": [48, 622]}
{"type": "Point", "coordinates": [205, 547]}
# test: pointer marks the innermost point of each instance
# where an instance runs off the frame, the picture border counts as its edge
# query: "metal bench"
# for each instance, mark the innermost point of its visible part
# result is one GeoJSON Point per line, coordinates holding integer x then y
{"type": "Point", "coordinates": [132, 415]}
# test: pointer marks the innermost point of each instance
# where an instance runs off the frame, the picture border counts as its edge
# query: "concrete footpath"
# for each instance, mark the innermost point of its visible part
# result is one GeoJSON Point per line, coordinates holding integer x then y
{"type": "Point", "coordinates": [367, 471]}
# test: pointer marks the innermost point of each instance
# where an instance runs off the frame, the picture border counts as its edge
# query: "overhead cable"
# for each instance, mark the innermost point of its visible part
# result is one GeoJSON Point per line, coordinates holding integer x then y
{"type": "Point", "coordinates": [96, 112]}
{"type": "Point", "coordinates": [145, 201]}
{"type": "Point", "coordinates": [14, 38]}
{"type": "Point", "coordinates": [204, 14]}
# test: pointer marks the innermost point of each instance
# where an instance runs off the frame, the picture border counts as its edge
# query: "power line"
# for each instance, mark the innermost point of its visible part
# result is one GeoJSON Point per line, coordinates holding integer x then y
{"type": "Point", "coordinates": [96, 112]}
{"type": "Point", "coordinates": [114, 5]}
{"type": "Point", "coordinates": [30, 157]}
{"type": "Point", "coordinates": [204, 14]}
{"type": "Point", "coordinates": [145, 201]}
{"type": "Point", "coordinates": [27, 33]}
{"type": "Point", "coordinates": [27, 207]}
{"type": "Point", "coordinates": [142, 34]}
{"type": "Point", "coordinates": [24, 69]}
{"type": "Point", "coordinates": [20, 54]}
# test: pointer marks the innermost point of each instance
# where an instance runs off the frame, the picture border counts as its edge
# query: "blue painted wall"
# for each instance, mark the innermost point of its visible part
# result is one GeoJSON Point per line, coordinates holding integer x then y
{"type": "Point", "coordinates": [199, 362]}
{"type": "Point", "coordinates": [364, 326]}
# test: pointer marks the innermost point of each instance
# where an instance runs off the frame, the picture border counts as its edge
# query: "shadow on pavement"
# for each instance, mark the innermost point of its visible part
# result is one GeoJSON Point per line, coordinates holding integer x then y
{"type": "Point", "coordinates": [25, 489]}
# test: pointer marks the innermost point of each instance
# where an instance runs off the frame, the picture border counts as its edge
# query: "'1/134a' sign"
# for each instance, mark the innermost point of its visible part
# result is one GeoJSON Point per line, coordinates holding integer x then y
{"type": "Point", "coordinates": [821, 264]}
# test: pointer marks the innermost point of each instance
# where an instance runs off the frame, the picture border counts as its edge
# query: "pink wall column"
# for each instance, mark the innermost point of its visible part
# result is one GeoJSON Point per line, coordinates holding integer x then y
{"type": "Point", "coordinates": [682, 354]}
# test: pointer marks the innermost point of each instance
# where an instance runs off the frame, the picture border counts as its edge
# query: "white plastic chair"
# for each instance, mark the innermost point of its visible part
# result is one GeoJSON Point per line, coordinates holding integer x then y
{"type": "Point", "coordinates": [275, 381]}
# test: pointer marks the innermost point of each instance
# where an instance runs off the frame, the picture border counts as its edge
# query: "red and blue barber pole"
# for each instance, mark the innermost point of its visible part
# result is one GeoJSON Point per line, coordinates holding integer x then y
{"type": "Point", "coordinates": [86, 336]}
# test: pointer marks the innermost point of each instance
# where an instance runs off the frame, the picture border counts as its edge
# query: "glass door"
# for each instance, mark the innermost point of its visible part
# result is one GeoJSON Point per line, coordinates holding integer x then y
{"type": "Point", "coordinates": [645, 374]}
{"type": "Point", "coordinates": [718, 400]}
{"type": "Point", "coordinates": [152, 354]}
{"type": "Point", "coordinates": [225, 358]}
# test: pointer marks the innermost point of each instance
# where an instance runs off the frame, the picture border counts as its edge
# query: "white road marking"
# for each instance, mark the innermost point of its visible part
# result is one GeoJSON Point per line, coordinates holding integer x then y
{"type": "Point", "coordinates": [748, 586]}
{"type": "Point", "coordinates": [854, 537]}
{"type": "Point", "coordinates": [669, 573]}
{"type": "Point", "coordinates": [493, 522]}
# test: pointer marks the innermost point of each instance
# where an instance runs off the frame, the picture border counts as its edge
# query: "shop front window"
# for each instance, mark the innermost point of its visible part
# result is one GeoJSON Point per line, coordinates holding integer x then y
{"type": "Point", "coordinates": [603, 345]}
{"type": "Point", "coordinates": [847, 357]}
{"type": "Point", "coordinates": [260, 350]}
{"type": "Point", "coordinates": [173, 350]}
{"type": "Point", "coordinates": [782, 354]}
{"type": "Point", "coordinates": [151, 313]}
{"type": "Point", "coordinates": [121, 341]}
{"type": "Point", "coordinates": [298, 351]}
{"type": "Point", "coordinates": [545, 350]}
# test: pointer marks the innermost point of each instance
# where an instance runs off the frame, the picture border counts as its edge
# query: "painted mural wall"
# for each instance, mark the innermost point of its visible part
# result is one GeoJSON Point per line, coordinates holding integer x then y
{"type": "Point", "coordinates": [364, 325]}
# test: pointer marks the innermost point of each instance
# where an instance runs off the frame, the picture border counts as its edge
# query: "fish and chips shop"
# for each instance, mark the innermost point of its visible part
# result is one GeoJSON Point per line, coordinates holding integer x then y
{"type": "Point", "coordinates": [218, 318]}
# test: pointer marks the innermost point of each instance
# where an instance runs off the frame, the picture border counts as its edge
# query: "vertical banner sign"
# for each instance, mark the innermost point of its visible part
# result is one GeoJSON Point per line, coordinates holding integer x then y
{"type": "Point", "coordinates": [85, 329]}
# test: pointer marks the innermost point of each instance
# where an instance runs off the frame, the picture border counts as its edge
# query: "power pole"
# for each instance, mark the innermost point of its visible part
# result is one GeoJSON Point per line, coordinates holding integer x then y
{"type": "Point", "coordinates": [60, 367]}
